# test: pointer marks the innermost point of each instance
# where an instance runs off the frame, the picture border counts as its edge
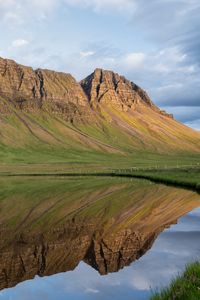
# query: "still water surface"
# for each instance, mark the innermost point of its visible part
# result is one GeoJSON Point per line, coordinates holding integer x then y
{"type": "Point", "coordinates": [83, 238]}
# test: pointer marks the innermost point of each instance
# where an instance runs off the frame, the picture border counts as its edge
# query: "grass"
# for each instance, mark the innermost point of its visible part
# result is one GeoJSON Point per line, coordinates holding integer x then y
{"type": "Point", "coordinates": [44, 144]}
{"type": "Point", "coordinates": [35, 139]}
{"type": "Point", "coordinates": [185, 287]}
{"type": "Point", "coordinates": [86, 158]}
{"type": "Point", "coordinates": [186, 178]}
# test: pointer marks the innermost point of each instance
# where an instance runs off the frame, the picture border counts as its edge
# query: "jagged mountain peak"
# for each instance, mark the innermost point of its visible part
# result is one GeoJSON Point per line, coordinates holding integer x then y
{"type": "Point", "coordinates": [59, 92]}
{"type": "Point", "coordinates": [110, 88]}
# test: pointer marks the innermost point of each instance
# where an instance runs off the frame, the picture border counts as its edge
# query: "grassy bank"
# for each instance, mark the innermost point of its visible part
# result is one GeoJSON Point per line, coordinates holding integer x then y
{"type": "Point", "coordinates": [185, 287]}
{"type": "Point", "coordinates": [186, 178]}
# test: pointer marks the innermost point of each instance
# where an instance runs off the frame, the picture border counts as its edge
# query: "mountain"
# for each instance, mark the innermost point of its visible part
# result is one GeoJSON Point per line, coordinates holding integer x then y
{"type": "Point", "coordinates": [110, 89]}
{"type": "Point", "coordinates": [46, 112]}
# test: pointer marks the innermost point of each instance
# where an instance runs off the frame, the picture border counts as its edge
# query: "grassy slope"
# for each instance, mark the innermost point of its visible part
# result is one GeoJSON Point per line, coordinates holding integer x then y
{"type": "Point", "coordinates": [145, 129]}
{"type": "Point", "coordinates": [117, 139]}
{"type": "Point", "coordinates": [185, 287]}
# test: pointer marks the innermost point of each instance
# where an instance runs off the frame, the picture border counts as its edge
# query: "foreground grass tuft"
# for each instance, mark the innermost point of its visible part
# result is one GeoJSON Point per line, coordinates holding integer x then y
{"type": "Point", "coordinates": [185, 287]}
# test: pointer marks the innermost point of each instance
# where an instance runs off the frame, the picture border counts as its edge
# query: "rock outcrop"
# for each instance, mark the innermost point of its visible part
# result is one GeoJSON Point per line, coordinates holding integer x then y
{"type": "Point", "coordinates": [109, 88]}
{"type": "Point", "coordinates": [59, 93]}
{"type": "Point", "coordinates": [31, 90]}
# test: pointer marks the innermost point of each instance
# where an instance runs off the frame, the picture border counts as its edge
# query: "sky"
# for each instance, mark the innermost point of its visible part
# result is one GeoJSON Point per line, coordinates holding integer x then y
{"type": "Point", "coordinates": [153, 43]}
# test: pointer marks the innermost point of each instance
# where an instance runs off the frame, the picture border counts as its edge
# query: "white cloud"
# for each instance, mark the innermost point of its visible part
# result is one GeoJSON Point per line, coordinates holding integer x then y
{"type": "Point", "coordinates": [92, 291]}
{"type": "Point", "coordinates": [134, 60]}
{"type": "Point", "coordinates": [44, 3]}
{"type": "Point", "coordinates": [105, 5]}
{"type": "Point", "coordinates": [161, 63]}
{"type": "Point", "coordinates": [84, 54]}
{"type": "Point", "coordinates": [19, 43]}
{"type": "Point", "coordinates": [141, 283]}
{"type": "Point", "coordinates": [21, 11]}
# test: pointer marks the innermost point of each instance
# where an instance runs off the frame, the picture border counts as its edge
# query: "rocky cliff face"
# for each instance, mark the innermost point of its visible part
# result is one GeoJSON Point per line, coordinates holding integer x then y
{"type": "Point", "coordinates": [59, 93]}
{"type": "Point", "coordinates": [31, 90]}
{"type": "Point", "coordinates": [109, 88]}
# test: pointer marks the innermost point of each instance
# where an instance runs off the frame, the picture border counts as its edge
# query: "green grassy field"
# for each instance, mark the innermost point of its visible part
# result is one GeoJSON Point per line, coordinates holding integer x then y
{"type": "Point", "coordinates": [87, 159]}
{"type": "Point", "coordinates": [185, 287]}
{"type": "Point", "coordinates": [41, 138]}
{"type": "Point", "coordinates": [183, 177]}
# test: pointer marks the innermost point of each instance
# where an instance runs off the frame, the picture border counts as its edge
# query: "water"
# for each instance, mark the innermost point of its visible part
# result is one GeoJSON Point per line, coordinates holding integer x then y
{"type": "Point", "coordinates": [103, 239]}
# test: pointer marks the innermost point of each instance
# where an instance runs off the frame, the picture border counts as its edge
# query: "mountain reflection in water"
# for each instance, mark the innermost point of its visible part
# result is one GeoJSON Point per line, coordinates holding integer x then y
{"type": "Point", "coordinates": [50, 225]}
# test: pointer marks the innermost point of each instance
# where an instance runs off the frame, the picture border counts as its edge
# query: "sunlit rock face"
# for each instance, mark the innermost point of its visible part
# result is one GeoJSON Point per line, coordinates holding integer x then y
{"type": "Point", "coordinates": [48, 226]}
{"type": "Point", "coordinates": [57, 92]}
{"type": "Point", "coordinates": [31, 90]}
{"type": "Point", "coordinates": [109, 88]}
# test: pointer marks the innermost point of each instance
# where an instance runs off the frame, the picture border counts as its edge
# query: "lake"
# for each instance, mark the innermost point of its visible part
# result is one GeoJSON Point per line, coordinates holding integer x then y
{"type": "Point", "coordinates": [93, 238]}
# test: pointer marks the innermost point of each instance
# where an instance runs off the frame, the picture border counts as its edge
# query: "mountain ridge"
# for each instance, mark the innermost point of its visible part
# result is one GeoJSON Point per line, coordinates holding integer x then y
{"type": "Point", "coordinates": [104, 113]}
{"type": "Point", "coordinates": [23, 83]}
